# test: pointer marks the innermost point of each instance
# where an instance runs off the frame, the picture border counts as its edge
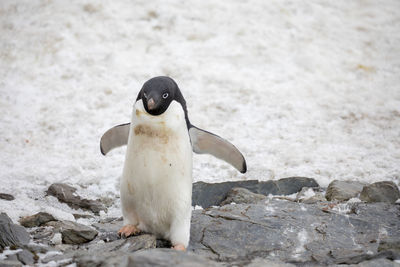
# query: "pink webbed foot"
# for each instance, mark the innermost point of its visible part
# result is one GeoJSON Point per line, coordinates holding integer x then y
{"type": "Point", "coordinates": [179, 247]}
{"type": "Point", "coordinates": [128, 230]}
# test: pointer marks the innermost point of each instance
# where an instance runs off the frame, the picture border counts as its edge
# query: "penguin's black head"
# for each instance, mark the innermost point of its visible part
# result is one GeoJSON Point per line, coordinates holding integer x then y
{"type": "Point", "coordinates": [158, 93]}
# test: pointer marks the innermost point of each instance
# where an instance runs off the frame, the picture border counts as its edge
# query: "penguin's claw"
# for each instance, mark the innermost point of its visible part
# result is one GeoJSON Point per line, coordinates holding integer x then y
{"type": "Point", "coordinates": [179, 247]}
{"type": "Point", "coordinates": [128, 230]}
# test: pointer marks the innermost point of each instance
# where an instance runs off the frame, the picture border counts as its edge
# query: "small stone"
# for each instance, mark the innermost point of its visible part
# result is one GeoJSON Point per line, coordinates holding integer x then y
{"type": "Point", "coordinates": [310, 195]}
{"type": "Point", "coordinates": [343, 190]}
{"type": "Point", "coordinates": [385, 191]}
{"type": "Point", "coordinates": [12, 234]}
{"type": "Point", "coordinates": [57, 239]}
{"type": "Point", "coordinates": [240, 195]}
{"type": "Point", "coordinates": [36, 220]}
{"type": "Point", "coordinates": [82, 216]}
{"type": "Point", "coordinates": [26, 257]}
{"type": "Point", "coordinates": [6, 196]}
{"type": "Point", "coordinates": [74, 233]}
{"type": "Point", "coordinates": [66, 193]}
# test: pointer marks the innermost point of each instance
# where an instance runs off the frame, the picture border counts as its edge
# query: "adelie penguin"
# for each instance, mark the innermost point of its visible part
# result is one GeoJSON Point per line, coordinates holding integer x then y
{"type": "Point", "coordinates": [156, 185]}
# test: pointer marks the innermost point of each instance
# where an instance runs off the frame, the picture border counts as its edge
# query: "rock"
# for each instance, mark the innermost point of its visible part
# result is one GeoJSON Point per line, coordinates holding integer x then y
{"type": "Point", "coordinates": [389, 244]}
{"type": "Point", "coordinates": [291, 232]}
{"type": "Point", "coordinates": [382, 262]}
{"type": "Point", "coordinates": [259, 262]}
{"type": "Point", "coordinates": [309, 195]}
{"type": "Point", "coordinates": [74, 233]}
{"type": "Point", "coordinates": [36, 220]}
{"type": "Point", "coordinates": [108, 230]}
{"type": "Point", "coordinates": [82, 216]}
{"type": "Point", "coordinates": [11, 234]}
{"type": "Point", "coordinates": [343, 190]}
{"type": "Point", "coordinates": [385, 191]}
{"type": "Point", "coordinates": [6, 196]}
{"type": "Point", "coordinates": [240, 195]}
{"type": "Point", "coordinates": [65, 193]}
{"type": "Point", "coordinates": [168, 257]}
{"type": "Point", "coordinates": [131, 244]}
{"type": "Point", "coordinates": [207, 195]}
{"type": "Point", "coordinates": [10, 263]}
{"type": "Point", "coordinates": [26, 257]}
{"type": "Point", "coordinates": [56, 239]}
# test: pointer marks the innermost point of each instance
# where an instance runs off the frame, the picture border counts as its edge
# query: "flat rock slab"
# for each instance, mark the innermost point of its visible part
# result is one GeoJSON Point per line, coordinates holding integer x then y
{"type": "Point", "coordinates": [343, 190]}
{"type": "Point", "coordinates": [293, 232]}
{"type": "Point", "coordinates": [212, 194]}
{"type": "Point", "coordinates": [12, 235]}
{"type": "Point", "coordinates": [66, 193]}
{"type": "Point", "coordinates": [385, 191]}
{"type": "Point", "coordinates": [144, 258]}
{"type": "Point", "coordinates": [74, 233]}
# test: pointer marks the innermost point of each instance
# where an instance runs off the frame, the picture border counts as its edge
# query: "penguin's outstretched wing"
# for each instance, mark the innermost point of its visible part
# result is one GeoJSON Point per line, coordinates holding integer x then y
{"type": "Point", "coordinates": [204, 142]}
{"type": "Point", "coordinates": [114, 137]}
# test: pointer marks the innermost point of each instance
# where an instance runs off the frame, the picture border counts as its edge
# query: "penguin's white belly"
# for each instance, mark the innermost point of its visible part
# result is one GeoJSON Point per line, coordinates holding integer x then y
{"type": "Point", "coordinates": [156, 185]}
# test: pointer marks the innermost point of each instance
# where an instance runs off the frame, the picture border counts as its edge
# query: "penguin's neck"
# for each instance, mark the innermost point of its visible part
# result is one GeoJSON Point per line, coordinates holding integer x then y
{"type": "Point", "coordinates": [144, 122]}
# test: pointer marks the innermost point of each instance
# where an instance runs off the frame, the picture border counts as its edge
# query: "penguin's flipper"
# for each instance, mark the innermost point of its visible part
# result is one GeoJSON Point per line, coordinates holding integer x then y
{"type": "Point", "coordinates": [114, 137]}
{"type": "Point", "coordinates": [204, 142]}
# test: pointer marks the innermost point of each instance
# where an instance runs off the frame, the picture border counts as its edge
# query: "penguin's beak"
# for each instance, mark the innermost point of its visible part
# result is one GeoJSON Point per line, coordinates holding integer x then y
{"type": "Point", "coordinates": [151, 104]}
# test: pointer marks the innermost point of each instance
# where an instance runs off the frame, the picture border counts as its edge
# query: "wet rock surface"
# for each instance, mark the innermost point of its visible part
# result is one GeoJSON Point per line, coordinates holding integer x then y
{"type": "Point", "coordinates": [207, 195]}
{"type": "Point", "coordinates": [380, 192]}
{"type": "Point", "coordinates": [66, 194]}
{"type": "Point", "coordinates": [256, 231]}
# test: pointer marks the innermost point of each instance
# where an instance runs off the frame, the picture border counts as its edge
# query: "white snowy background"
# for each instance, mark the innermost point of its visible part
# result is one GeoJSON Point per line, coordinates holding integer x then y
{"type": "Point", "coordinates": [302, 88]}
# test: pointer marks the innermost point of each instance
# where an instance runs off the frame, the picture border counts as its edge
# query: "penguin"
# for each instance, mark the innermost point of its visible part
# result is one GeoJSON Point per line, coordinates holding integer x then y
{"type": "Point", "coordinates": [156, 184]}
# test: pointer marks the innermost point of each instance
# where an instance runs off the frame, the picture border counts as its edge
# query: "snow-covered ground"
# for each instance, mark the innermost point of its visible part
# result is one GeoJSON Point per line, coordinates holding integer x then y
{"type": "Point", "coordinates": [307, 88]}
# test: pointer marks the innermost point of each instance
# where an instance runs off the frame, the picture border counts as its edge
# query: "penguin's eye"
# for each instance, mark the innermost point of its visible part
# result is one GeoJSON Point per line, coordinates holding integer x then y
{"type": "Point", "coordinates": [165, 95]}
{"type": "Point", "coordinates": [145, 95]}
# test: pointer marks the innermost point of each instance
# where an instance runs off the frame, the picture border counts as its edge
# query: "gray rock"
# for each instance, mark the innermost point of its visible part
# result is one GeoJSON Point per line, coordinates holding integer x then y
{"type": "Point", "coordinates": [292, 232]}
{"type": "Point", "coordinates": [168, 257]}
{"type": "Point", "coordinates": [108, 230]}
{"type": "Point", "coordinates": [10, 263]}
{"type": "Point", "coordinates": [240, 195]}
{"type": "Point", "coordinates": [66, 193]}
{"type": "Point", "coordinates": [36, 220]}
{"type": "Point", "coordinates": [260, 262]}
{"type": "Point", "coordinates": [6, 196]}
{"type": "Point", "coordinates": [82, 216]}
{"type": "Point", "coordinates": [74, 233]}
{"type": "Point", "coordinates": [385, 191]}
{"type": "Point", "coordinates": [343, 190]}
{"type": "Point", "coordinates": [131, 244]}
{"type": "Point", "coordinates": [303, 196]}
{"type": "Point", "coordinates": [375, 262]}
{"type": "Point", "coordinates": [207, 195]}
{"type": "Point", "coordinates": [26, 257]}
{"type": "Point", "coordinates": [11, 234]}
{"type": "Point", "coordinates": [389, 244]}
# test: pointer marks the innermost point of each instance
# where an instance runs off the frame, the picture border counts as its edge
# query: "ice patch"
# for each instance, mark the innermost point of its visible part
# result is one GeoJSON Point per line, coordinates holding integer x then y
{"type": "Point", "coordinates": [302, 236]}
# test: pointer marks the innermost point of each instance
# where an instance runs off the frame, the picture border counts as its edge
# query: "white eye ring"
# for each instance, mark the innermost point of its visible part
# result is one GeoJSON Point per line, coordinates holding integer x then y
{"type": "Point", "coordinates": [165, 95]}
{"type": "Point", "coordinates": [145, 95]}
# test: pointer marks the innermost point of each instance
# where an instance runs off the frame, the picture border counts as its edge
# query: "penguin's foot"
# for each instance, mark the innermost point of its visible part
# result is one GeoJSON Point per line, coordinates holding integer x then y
{"type": "Point", "coordinates": [179, 247]}
{"type": "Point", "coordinates": [128, 230]}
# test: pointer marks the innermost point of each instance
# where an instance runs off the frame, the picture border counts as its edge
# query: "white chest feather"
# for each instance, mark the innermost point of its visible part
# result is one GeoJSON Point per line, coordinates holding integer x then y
{"type": "Point", "coordinates": [156, 184]}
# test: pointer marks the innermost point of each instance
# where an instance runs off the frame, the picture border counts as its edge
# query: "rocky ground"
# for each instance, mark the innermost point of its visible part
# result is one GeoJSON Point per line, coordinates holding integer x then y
{"type": "Point", "coordinates": [288, 222]}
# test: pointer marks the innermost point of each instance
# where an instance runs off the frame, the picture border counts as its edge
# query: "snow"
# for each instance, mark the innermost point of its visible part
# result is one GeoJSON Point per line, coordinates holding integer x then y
{"type": "Point", "coordinates": [301, 88]}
